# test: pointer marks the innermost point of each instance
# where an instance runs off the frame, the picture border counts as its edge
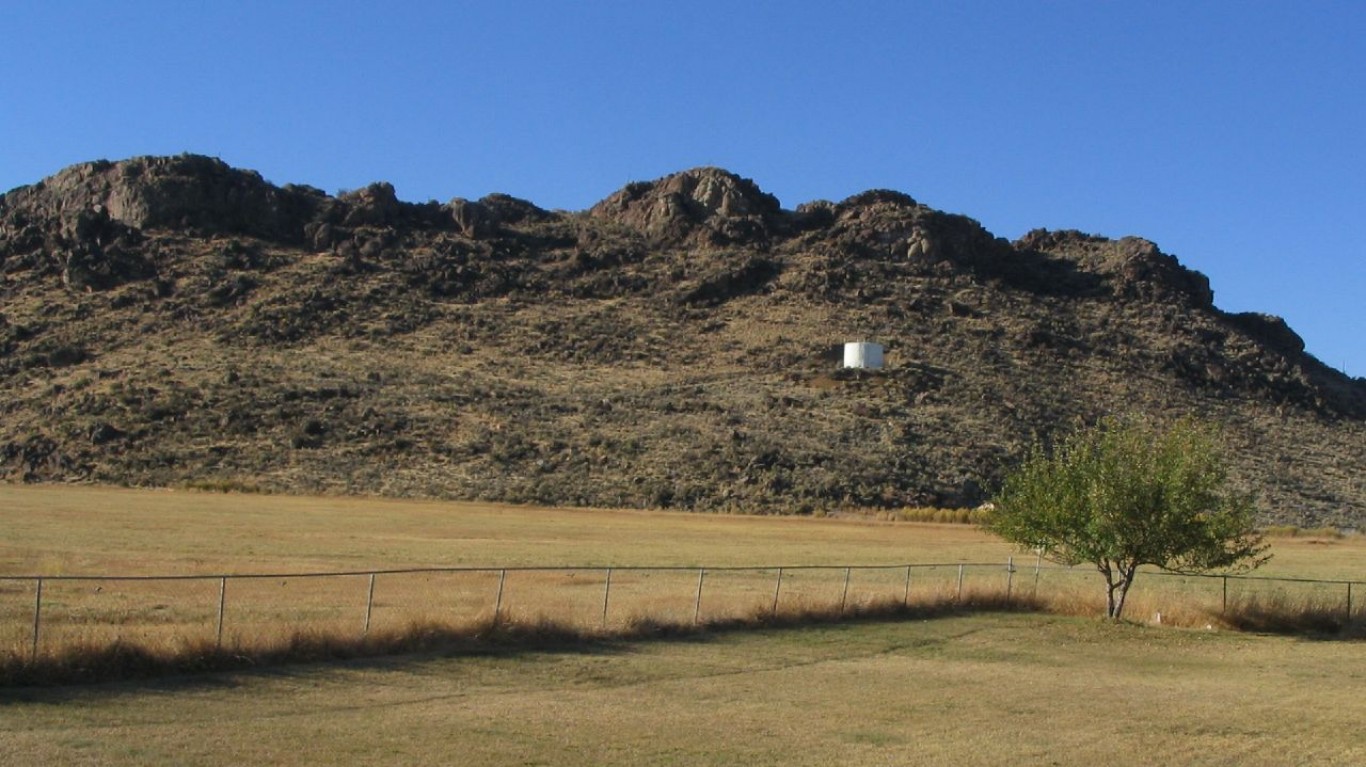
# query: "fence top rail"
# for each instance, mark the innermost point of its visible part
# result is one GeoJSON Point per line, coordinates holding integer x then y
{"type": "Point", "coordinates": [1017, 566]}
{"type": "Point", "coordinates": [1279, 578]}
{"type": "Point", "coordinates": [491, 569]}
{"type": "Point", "coordinates": [1217, 576]}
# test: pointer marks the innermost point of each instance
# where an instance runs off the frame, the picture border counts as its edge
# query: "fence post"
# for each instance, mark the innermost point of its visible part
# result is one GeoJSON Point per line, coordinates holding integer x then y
{"type": "Point", "coordinates": [906, 598]}
{"type": "Point", "coordinates": [1010, 576]}
{"type": "Point", "coordinates": [606, 591]}
{"type": "Point", "coordinates": [697, 603]}
{"type": "Point", "coordinates": [1224, 609]}
{"type": "Point", "coordinates": [222, 602]}
{"type": "Point", "coordinates": [369, 605]}
{"type": "Point", "coordinates": [37, 619]}
{"type": "Point", "coordinates": [844, 597]}
{"type": "Point", "coordinates": [1038, 565]}
{"type": "Point", "coordinates": [777, 588]}
{"type": "Point", "coordinates": [959, 598]}
{"type": "Point", "coordinates": [1349, 601]}
{"type": "Point", "coordinates": [498, 601]}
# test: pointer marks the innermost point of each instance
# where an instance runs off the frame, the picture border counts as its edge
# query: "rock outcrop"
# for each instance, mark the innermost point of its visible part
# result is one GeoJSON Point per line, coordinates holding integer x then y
{"type": "Point", "coordinates": [186, 192]}
{"type": "Point", "coordinates": [703, 205]}
{"type": "Point", "coordinates": [1134, 267]}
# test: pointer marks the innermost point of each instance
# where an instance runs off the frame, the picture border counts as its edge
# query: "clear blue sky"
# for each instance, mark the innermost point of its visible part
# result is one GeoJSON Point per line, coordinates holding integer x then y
{"type": "Point", "coordinates": [1232, 134]}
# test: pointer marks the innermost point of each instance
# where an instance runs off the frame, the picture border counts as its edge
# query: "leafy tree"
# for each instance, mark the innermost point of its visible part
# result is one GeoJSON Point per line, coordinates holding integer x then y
{"type": "Point", "coordinates": [1128, 493]}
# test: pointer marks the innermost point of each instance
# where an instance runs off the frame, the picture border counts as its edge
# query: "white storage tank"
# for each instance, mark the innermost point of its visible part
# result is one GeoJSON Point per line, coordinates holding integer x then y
{"type": "Point", "coordinates": [863, 354]}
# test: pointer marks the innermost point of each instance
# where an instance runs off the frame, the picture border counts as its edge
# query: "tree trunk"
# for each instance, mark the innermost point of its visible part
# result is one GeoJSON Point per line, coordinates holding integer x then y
{"type": "Point", "coordinates": [1118, 579]}
{"type": "Point", "coordinates": [1110, 586]}
{"type": "Point", "coordinates": [1124, 584]}
{"type": "Point", "coordinates": [1119, 590]}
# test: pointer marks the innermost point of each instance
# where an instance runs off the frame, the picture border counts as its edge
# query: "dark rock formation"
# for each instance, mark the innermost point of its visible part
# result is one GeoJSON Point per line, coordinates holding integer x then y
{"type": "Point", "coordinates": [183, 192]}
{"type": "Point", "coordinates": [1271, 330]}
{"type": "Point", "coordinates": [703, 205]}
{"type": "Point", "coordinates": [1134, 267]}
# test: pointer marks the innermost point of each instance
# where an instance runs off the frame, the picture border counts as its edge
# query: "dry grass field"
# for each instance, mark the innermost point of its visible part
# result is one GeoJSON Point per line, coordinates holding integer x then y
{"type": "Point", "coordinates": [978, 690]}
{"type": "Point", "coordinates": [86, 531]}
{"type": "Point", "coordinates": [78, 530]}
{"type": "Point", "coordinates": [64, 530]}
{"type": "Point", "coordinates": [75, 531]}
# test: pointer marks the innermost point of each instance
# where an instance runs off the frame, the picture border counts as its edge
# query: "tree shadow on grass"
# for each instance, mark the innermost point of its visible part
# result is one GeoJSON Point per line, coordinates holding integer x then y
{"type": "Point", "coordinates": [119, 669]}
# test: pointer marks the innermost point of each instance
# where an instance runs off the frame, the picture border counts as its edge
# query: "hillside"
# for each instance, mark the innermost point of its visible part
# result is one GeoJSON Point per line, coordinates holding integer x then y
{"type": "Point", "coordinates": [173, 321]}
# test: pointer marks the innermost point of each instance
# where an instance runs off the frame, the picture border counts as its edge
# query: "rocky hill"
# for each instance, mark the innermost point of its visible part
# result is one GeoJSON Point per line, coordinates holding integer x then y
{"type": "Point", "coordinates": [175, 321]}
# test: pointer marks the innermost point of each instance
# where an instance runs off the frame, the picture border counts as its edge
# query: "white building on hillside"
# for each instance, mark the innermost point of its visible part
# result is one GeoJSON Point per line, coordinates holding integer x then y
{"type": "Point", "coordinates": [863, 354]}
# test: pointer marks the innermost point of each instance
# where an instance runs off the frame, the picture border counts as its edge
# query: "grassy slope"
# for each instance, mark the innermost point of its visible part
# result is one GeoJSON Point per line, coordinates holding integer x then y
{"type": "Point", "coordinates": [570, 359]}
{"type": "Point", "coordinates": [977, 690]}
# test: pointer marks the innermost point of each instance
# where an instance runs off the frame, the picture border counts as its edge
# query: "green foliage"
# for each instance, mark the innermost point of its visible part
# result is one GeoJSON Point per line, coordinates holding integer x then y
{"type": "Point", "coordinates": [1128, 493]}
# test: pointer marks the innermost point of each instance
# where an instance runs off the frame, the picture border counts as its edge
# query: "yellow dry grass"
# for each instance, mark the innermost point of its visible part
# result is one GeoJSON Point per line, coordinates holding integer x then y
{"type": "Point", "coordinates": [85, 531]}
{"type": "Point", "coordinates": [54, 531]}
{"type": "Point", "coordinates": [64, 530]}
{"type": "Point", "coordinates": [987, 689]}
{"type": "Point", "coordinates": [80, 530]}
{"type": "Point", "coordinates": [980, 690]}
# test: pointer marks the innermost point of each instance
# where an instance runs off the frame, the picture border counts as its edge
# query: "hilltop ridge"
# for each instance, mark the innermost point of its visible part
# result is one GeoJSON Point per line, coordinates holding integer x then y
{"type": "Point", "coordinates": [174, 320]}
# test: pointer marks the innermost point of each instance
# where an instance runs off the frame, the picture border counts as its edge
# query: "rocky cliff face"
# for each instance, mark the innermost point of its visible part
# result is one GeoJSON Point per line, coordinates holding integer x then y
{"type": "Point", "coordinates": [171, 321]}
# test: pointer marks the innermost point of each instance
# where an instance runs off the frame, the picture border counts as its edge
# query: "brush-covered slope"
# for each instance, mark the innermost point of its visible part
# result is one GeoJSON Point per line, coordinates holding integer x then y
{"type": "Point", "coordinates": [171, 321]}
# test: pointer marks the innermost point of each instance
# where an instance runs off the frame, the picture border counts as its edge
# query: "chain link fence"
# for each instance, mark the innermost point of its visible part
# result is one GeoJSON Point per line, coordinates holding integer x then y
{"type": "Point", "coordinates": [50, 614]}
